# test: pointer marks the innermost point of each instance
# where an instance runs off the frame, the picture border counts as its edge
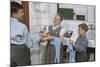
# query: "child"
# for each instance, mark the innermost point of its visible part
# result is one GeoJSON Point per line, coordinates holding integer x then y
{"type": "Point", "coordinates": [45, 49]}
{"type": "Point", "coordinates": [81, 44]}
{"type": "Point", "coordinates": [20, 38]}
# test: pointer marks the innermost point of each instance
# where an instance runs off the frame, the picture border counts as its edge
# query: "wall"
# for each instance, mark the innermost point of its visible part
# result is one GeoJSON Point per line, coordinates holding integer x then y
{"type": "Point", "coordinates": [41, 14]}
{"type": "Point", "coordinates": [87, 10]}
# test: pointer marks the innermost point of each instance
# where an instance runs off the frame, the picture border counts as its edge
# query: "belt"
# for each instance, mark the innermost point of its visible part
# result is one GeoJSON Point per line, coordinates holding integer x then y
{"type": "Point", "coordinates": [17, 44]}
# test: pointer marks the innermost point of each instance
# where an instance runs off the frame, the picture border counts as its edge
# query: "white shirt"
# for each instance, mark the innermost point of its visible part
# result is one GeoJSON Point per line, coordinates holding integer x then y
{"type": "Point", "coordinates": [19, 33]}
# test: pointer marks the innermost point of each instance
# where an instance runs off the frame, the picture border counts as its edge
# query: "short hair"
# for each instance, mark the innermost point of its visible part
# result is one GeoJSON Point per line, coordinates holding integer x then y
{"type": "Point", "coordinates": [84, 26]}
{"type": "Point", "coordinates": [15, 6]}
{"type": "Point", "coordinates": [61, 17]}
{"type": "Point", "coordinates": [41, 32]}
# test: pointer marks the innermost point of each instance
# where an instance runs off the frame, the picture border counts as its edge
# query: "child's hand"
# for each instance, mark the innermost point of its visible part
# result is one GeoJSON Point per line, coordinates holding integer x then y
{"type": "Point", "coordinates": [49, 38]}
{"type": "Point", "coordinates": [71, 40]}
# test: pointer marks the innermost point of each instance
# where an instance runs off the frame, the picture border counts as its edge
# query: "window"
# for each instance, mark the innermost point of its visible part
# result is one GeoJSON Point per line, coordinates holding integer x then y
{"type": "Point", "coordinates": [67, 13]}
{"type": "Point", "coordinates": [80, 17]}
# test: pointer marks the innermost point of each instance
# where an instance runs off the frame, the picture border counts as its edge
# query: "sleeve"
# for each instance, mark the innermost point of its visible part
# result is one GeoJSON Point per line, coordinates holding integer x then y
{"type": "Point", "coordinates": [27, 39]}
{"type": "Point", "coordinates": [36, 40]}
{"type": "Point", "coordinates": [62, 32]}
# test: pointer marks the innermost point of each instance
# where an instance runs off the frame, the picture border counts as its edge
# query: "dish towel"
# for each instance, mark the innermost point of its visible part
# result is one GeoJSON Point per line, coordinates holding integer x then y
{"type": "Point", "coordinates": [72, 53]}
{"type": "Point", "coordinates": [57, 43]}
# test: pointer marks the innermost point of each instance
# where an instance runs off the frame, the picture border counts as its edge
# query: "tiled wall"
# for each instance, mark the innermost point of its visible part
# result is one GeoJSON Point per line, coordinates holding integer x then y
{"type": "Point", "coordinates": [41, 14]}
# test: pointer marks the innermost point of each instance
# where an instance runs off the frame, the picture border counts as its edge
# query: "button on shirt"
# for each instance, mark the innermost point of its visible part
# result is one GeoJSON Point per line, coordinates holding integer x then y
{"type": "Point", "coordinates": [19, 33]}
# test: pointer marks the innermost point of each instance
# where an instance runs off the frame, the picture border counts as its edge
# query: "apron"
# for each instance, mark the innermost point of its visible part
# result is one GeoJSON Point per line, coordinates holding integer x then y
{"type": "Point", "coordinates": [55, 33]}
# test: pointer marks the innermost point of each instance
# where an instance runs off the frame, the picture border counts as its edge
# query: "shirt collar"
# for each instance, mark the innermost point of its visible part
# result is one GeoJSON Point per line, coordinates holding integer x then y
{"type": "Point", "coordinates": [14, 19]}
{"type": "Point", "coordinates": [83, 36]}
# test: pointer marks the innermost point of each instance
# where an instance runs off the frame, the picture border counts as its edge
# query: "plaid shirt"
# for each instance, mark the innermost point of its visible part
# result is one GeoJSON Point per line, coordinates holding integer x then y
{"type": "Point", "coordinates": [81, 44]}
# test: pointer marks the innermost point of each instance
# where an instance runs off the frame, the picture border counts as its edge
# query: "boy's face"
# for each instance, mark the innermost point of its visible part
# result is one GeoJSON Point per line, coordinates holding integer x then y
{"type": "Point", "coordinates": [19, 14]}
{"type": "Point", "coordinates": [57, 20]}
{"type": "Point", "coordinates": [81, 31]}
